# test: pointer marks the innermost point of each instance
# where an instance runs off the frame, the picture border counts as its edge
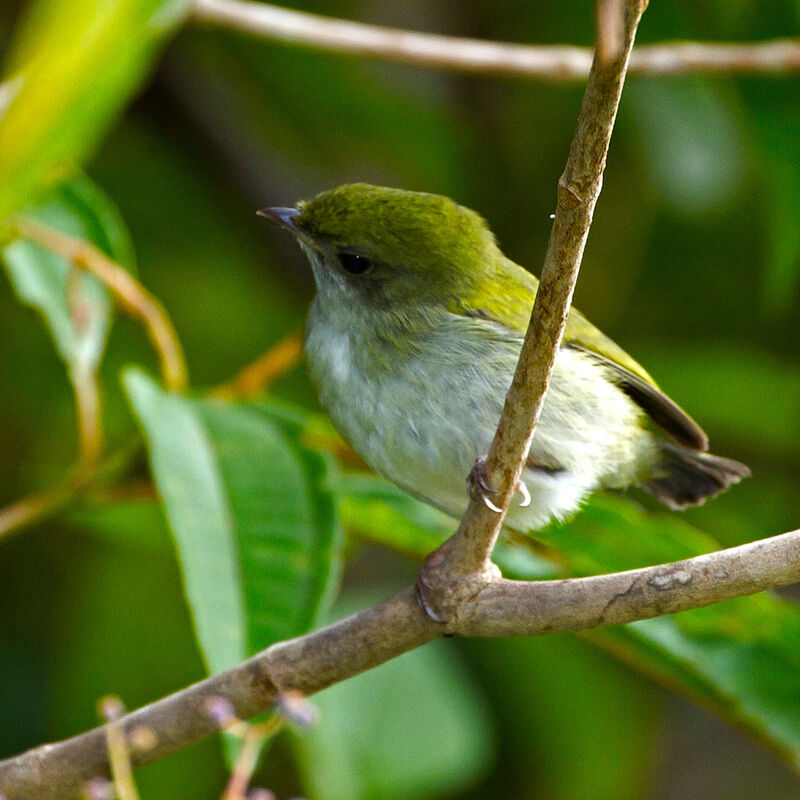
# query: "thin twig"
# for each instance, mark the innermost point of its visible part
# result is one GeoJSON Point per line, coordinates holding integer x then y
{"type": "Point", "coordinates": [253, 738]}
{"type": "Point", "coordinates": [372, 636]}
{"type": "Point", "coordinates": [83, 377]}
{"type": "Point", "coordinates": [87, 408]}
{"type": "Point", "coordinates": [39, 505]}
{"type": "Point", "coordinates": [256, 377]}
{"type": "Point", "coordinates": [129, 293]}
{"type": "Point", "coordinates": [544, 62]}
{"type": "Point", "coordinates": [465, 558]}
{"type": "Point", "coordinates": [119, 757]}
{"type": "Point", "coordinates": [610, 30]}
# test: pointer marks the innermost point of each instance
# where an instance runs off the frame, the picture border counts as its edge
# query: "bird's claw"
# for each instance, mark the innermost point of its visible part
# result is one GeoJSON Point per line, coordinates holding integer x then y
{"type": "Point", "coordinates": [526, 495]}
{"type": "Point", "coordinates": [478, 484]}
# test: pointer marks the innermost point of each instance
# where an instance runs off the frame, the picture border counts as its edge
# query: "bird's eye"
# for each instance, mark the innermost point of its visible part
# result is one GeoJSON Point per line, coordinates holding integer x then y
{"type": "Point", "coordinates": [354, 262]}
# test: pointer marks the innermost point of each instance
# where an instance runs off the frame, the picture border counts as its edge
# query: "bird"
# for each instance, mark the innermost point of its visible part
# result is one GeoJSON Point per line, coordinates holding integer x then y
{"type": "Point", "coordinates": [412, 340]}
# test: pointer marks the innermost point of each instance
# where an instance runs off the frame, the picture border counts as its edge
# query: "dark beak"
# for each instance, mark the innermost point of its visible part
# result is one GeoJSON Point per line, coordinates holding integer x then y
{"type": "Point", "coordinates": [283, 217]}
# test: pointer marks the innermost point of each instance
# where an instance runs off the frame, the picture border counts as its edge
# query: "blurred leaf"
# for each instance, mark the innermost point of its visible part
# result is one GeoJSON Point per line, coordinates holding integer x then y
{"type": "Point", "coordinates": [256, 537]}
{"type": "Point", "coordinates": [78, 64]}
{"type": "Point", "coordinates": [778, 145]}
{"type": "Point", "coordinates": [745, 394]}
{"type": "Point", "coordinates": [694, 149]}
{"type": "Point", "coordinates": [575, 722]}
{"type": "Point", "coordinates": [611, 534]}
{"type": "Point", "coordinates": [75, 305]}
{"type": "Point", "coordinates": [414, 727]}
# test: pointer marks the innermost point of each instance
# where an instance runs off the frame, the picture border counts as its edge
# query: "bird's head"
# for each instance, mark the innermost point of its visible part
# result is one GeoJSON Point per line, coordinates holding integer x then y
{"type": "Point", "coordinates": [380, 247]}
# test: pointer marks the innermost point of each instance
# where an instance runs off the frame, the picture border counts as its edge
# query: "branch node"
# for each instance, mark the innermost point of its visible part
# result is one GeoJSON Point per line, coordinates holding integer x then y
{"type": "Point", "coordinates": [443, 590]}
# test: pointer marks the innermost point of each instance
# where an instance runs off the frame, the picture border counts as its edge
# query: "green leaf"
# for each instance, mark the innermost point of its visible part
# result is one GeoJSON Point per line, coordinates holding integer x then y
{"type": "Point", "coordinates": [414, 727]}
{"type": "Point", "coordinates": [73, 68]}
{"type": "Point", "coordinates": [288, 533]}
{"type": "Point", "coordinates": [256, 534]}
{"type": "Point", "coordinates": [188, 478]}
{"type": "Point", "coordinates": [75, 305]}
{"type": "Point", "coordinates": [741, 657]}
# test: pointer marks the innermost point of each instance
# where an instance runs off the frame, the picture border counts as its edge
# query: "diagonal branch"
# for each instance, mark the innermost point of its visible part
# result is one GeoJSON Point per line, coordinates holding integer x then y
{"type": "Point", "coordinates": [370, 637]}
{"type": "Point", "coordinates": [465, 558]}
{"type": "Point", "coordinates": [479, 56]}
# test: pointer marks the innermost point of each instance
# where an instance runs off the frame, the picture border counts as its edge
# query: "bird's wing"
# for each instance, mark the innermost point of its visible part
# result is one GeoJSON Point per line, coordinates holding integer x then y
{"type": "Point", "coordinates": [667, 414]}
{"type": "Point", "coordinates": [512, 308]}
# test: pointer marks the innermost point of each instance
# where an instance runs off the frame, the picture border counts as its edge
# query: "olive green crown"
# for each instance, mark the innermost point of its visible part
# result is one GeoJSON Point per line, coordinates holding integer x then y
{"type": "Point", "coordinates": [420, 231]}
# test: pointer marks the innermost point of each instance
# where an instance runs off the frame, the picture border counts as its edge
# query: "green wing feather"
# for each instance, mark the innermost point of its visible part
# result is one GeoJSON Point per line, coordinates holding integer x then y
{"type": "Point", "coordinates": [511, 306]}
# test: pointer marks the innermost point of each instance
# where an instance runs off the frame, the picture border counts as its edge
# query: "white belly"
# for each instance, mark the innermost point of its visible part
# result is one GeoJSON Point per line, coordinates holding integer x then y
{"type": "Point", "coordinates": [422, 417]}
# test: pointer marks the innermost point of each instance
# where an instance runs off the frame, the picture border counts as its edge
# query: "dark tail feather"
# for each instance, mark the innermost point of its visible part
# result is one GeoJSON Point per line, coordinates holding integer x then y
{"type": "Point", "coordinates": [689, 477]}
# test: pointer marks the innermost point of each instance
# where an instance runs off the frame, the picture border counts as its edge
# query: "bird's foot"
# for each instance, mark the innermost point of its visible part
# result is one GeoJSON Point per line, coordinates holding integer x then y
{"type": "Point", "coordinates": [478, 485]}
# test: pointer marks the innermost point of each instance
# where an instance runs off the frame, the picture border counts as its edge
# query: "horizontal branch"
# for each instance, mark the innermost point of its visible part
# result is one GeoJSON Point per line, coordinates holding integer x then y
{"type": "Point", "coordinates": [545, 62]}
{"type": "Point", "coordinates": [308, 664]}
{"type": "Point", "coordinates": [526, 608]}
{"type": "Point", "coordinates": [366, 639]}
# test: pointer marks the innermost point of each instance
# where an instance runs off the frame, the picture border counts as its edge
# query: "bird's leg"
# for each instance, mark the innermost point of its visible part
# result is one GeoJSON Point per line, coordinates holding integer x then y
{"type": "Point", "coordinates": [478, 485]}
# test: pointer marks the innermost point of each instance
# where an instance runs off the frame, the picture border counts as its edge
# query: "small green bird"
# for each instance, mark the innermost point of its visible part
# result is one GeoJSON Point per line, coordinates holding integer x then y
{"type": "Point", "coordinates": [412, 341]}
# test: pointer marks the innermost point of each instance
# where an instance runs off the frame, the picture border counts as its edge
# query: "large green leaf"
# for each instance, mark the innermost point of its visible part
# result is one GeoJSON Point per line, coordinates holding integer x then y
{"type": "Point", "coordinates": [414, 727]}
{"type": "Point", "coordinates": [76, 306]}
{"type": "Point", "coordinates": [740, 658]}
{"type": "Point", "coordinates": [74, 67]}
{"type": "Point", "coordinates": [256, 534]}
